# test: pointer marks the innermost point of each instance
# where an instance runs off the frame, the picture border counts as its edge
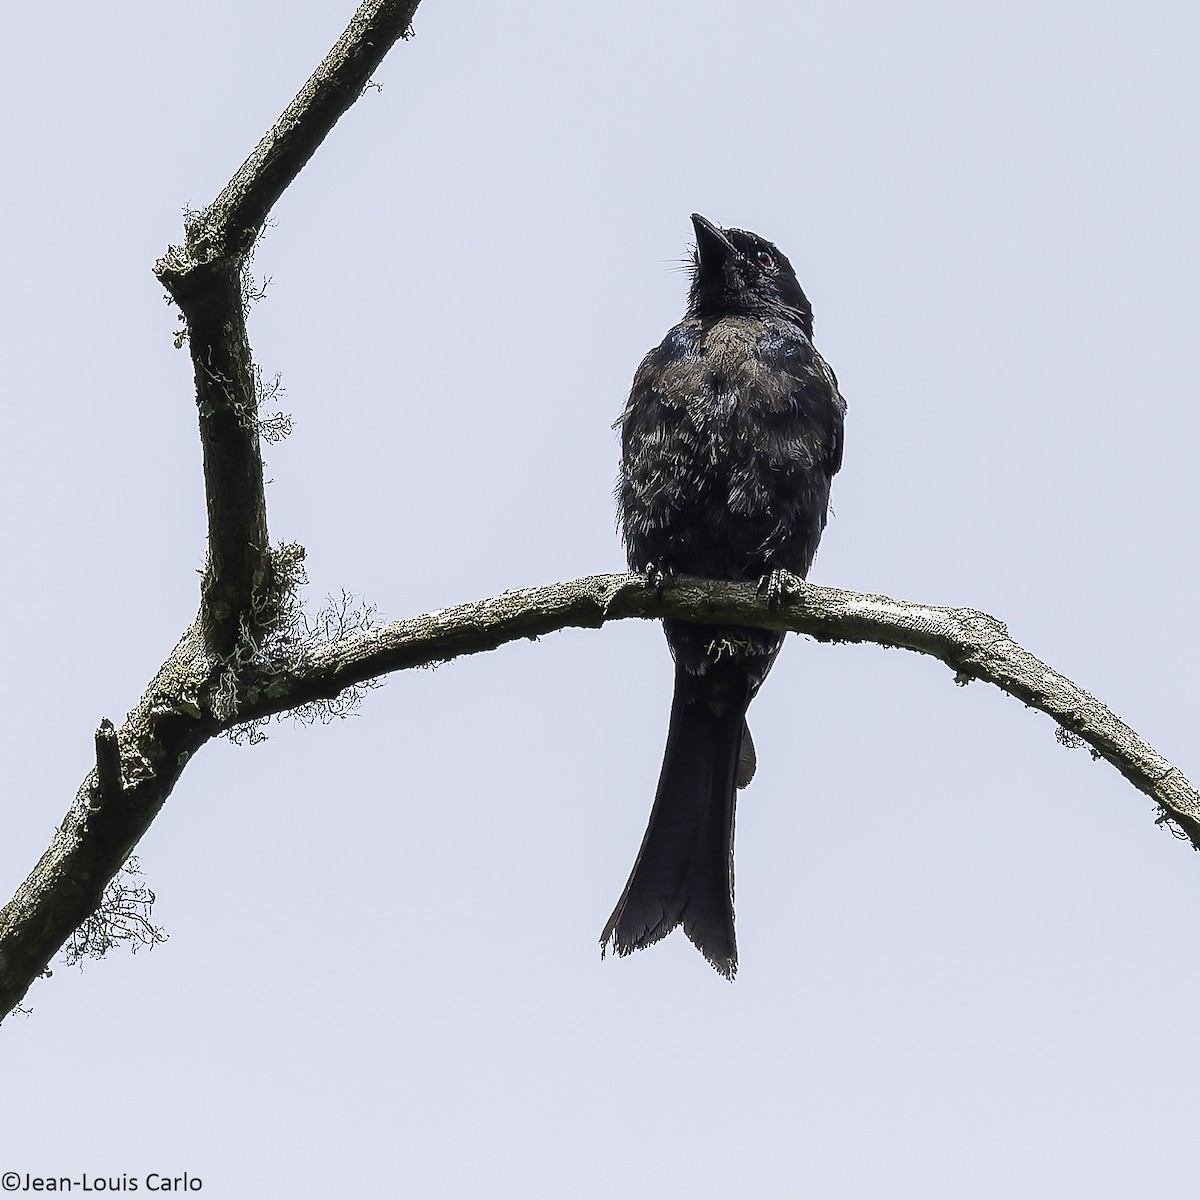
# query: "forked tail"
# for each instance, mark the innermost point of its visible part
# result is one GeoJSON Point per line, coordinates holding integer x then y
{"type": "Point", "coordinates": [684, 870]}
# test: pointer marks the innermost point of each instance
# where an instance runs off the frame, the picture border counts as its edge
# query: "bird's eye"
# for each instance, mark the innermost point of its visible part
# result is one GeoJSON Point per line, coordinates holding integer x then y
{"type": "Point", "coordinates": [765, 260]}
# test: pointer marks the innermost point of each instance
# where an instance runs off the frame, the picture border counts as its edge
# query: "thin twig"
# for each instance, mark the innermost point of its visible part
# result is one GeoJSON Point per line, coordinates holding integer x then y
{"type": "Point", "coordinates": [108, 762]}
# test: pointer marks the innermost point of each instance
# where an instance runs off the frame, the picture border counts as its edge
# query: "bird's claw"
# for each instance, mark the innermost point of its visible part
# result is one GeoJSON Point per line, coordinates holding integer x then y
{"type": "Point", "coordinates": [658, 575]}
{"type": "Point", "coordinates": [776, 584]}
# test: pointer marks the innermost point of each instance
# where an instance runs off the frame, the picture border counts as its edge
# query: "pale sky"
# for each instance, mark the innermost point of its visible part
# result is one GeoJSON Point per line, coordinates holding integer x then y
{"type": "Point", "coordinates": [967, 960]}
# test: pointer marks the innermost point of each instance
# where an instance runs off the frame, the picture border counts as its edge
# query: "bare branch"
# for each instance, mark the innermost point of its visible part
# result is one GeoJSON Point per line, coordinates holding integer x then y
{"type": "Point", "coordinates": [238, 563]}
{"type": "Point", "coordinates": [245, 595]}
{"type": "Point", "coordinates": [94, 841]}
{"type": "Point", "coordinates": [231, 225]}
{"type": "Point", "coordinates": [207, 279]}
{"type": "Point", "coordinates": [196, 696]}
{"type": "Point", "coordinates": [973, 644]}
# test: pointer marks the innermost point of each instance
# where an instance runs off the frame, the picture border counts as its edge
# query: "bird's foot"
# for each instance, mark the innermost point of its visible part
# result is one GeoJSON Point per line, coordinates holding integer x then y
{"type": "Point", "coordinates": [658, 575]}
{"type": "Point", "coordinates": [777, 584]}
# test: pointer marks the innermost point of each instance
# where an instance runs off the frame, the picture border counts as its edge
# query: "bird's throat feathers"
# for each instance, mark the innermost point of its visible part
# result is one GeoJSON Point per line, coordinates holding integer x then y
{"type": "Point", "coordinates": [735, 272]}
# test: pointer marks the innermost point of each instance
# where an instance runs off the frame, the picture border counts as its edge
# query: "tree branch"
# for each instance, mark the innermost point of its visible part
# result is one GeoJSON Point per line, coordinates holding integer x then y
{"type": "Point", "coordinates": [104, 824]}
{"type": "Point", "coordinates": [206, 278]}
{"type": "Point", "coordinates": [973, 644]}
{"type": "Point", "coordinates": [242, 590]}
{"type": "Point", "coordinates": [196, 696]}
{"type": "Point", "coordinates": [229, 227]}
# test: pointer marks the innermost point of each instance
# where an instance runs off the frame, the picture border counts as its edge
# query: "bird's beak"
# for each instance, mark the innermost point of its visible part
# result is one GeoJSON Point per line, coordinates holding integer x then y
{"type": "Point", "coordinates": [712, 245]}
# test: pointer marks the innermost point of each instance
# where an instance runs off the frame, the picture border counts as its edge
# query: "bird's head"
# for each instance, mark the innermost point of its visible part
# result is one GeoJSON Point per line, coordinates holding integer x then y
{"type": "Point", "coordinates": [735, 271]}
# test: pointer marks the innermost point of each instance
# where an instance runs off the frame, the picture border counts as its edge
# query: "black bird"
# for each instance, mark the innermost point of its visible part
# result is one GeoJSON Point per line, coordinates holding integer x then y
{"type": "Point", "coordinates": [730, 439]}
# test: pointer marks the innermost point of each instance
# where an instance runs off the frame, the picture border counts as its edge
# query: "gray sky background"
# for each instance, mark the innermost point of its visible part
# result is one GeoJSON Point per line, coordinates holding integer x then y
{"type": "Point", "coordinates": [968, 961]}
